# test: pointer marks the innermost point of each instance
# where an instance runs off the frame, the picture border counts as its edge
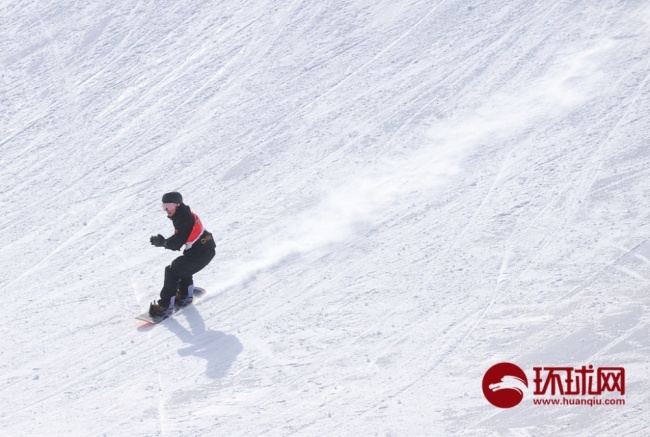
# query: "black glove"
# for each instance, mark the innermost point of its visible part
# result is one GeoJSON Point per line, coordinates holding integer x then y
{"type": "Point", "coordinates": [158, 240]}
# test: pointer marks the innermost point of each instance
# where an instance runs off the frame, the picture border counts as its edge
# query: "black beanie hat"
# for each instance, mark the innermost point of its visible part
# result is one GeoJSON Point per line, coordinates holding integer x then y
{"type": "Point", "coordinates": [173, 197]}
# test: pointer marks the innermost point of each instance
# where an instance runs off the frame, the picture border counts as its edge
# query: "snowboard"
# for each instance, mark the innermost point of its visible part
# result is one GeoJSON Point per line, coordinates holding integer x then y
{"type": "Point", "coordinates": [198, 292]}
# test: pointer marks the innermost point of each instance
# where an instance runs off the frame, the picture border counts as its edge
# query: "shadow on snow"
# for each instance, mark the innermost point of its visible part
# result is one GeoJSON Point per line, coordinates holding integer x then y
{"type": "Point", "coordinates": [219, 349]}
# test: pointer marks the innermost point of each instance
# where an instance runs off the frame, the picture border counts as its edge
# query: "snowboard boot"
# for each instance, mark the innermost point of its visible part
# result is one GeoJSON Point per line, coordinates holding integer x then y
{"type": "Point", "coordinates": [184, 296]}
{"type": "Point", "coordinates": [157, 310]}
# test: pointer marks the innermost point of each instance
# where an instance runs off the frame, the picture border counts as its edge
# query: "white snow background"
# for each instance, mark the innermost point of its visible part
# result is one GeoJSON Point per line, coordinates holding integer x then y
{"type": "Point", "coordinates": [403, 193]}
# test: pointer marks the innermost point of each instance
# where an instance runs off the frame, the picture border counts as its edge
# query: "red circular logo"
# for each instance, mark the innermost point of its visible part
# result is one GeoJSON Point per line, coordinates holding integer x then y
{"type": "Point", "coordinates": [504, 385]}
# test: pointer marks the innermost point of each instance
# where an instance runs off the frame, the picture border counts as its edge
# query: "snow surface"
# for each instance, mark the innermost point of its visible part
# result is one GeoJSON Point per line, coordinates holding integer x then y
{"type": "Point", "coordinates": [403, 194]}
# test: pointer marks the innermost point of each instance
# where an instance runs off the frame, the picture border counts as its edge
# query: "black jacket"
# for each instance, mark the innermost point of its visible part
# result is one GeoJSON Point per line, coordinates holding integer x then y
{"type": "Point", "coordinates": [184, 223]}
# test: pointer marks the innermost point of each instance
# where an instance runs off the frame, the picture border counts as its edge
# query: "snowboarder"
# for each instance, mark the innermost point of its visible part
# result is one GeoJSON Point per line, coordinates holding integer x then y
{"type": "Point", "coordinates": [199, 250]}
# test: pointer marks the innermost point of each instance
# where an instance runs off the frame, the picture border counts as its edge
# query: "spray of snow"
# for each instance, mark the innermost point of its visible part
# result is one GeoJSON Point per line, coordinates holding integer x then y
{"type": "Point", "coordinates": [356, 202]}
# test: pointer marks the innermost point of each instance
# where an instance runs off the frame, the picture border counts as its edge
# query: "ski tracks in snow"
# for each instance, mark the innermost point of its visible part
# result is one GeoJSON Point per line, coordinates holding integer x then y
{"type": "Point", "coordinates": [364, 199]}
{"type": "Point", "coordinates": [409, 258]}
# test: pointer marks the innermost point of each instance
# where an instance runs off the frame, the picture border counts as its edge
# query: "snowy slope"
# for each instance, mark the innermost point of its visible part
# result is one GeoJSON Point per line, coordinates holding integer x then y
{"type": "Point", "coordinates": [403, 194]}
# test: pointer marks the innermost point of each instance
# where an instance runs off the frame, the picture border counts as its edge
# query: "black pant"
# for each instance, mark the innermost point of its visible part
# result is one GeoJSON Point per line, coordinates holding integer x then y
{"type": "Point", "coordinates": [179, 272]}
